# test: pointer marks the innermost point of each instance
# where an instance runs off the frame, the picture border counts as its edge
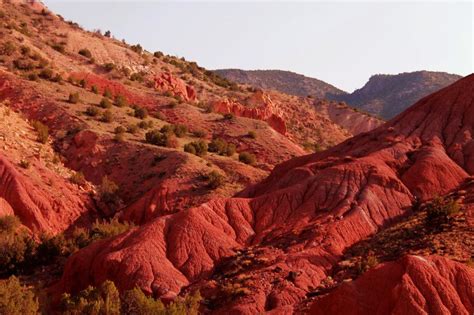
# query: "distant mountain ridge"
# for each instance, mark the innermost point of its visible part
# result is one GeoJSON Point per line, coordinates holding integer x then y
{"type": "Point", "coordinates": [384, 95]}
{"type": "Point", "coordinates": [283, 81]}
{"type": "Point", "coordinates": [388, 95]}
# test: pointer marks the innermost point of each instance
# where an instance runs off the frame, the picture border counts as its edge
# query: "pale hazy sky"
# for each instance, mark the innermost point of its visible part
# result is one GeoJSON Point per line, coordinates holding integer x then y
{"type": "Point", "coordinates": [342, 43]}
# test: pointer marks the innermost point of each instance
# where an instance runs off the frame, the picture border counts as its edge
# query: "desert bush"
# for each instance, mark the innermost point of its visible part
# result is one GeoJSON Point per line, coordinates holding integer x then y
{"type": "Point", "coordinates": [439, 213]}
{"type": "Point", "coordinates": [105, 103]}
{"type": "Point", "coordinates": [109, 67]}
{"type": "Point", "coordinates": [92, 111]}
{"type": "Point", "coordinates": [221, 147]}
{"type": "Point", "coordinates": [198, 148]}
{"type": "Point", "coordinates": [158, 54]}
{"type": "Point", "coordinates": [95, 89]}
{"type": "Point", "coordinates": [107, 116]}
{"type": "Point", "coordinates": [215, 179]}
{"type": "Point", "coordinates": [252, 134]}
{"type": "Point", "coordinates": [107, 93]}
{"type": "Point", "coordinates": [120, 101]}
{"type": "Point", "coordinates": [145, 124]}
{"type": "Point", "coordinates": [199, 133]}
{"type": "Point", "coordinates": [46, 74]}
{"type": "Point", "coordinates": [25, 50]}
{"type": "Point", "coordinates": [132, 128]}
{"type": "Point", "coordinates": [107, 34]}
{"type": "Point", "coordinates": [161, 139]}
{"type": "Point", "coordinates": [137, 48]}
{"type": "Point", "coordinates": [83, 83]}
{"type": "Point", "coordinates": [120, 129]}
{"type": "Point", "coordinates": [57, 78]}
{"type": "Point", "coordinates": [108, 190]}
{"type": "Point", "coordinates": [178, 130]}
{"type": "Point", "coordinates": [137, 76]}
{"type": "Point", "coordinates": [9, 224]}
{"type": "Point", "coordinates": [16, 299]}
{"type": "Point", "coordinates": [41, 130]}
{"type": "Point", "coordinates": [24, 164]}
{"type": "Point", "coordinates": [140, 112]}
{"type": "Point", "coordinates": [8, 49]}
{"type": "Point", "coordinates": [59, 47]}
{"type": "Point", "coordinates": [229, 116]}
{"type": "Point", "coordinates": [85, 52]}
{"type": "Point", "coordinates": [367, 262]}
{"type": "Point", "coordinates": [33, 76]}
{"type": "Point", "coordinates": [119, 137]}
{"type": "Point", "coordinates": [23, 64]}
{"type": "Point", "coordinates": [73, 98]}
{"type": "Point", "coordinates": [93, 301]}
{"type": "Point", "coordinates": [78, 178]}
{"type": "Point", "coordinates": [247, 158]}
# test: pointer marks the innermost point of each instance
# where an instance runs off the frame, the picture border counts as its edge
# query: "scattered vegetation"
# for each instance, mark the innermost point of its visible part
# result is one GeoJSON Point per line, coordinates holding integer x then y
{"type": "Point", "coordinates": [439, 213]}
{"type": "Point", "coordinates": [41, 130]}
{"type": "Point", "coordinates": [78, 178]}
{"type": "Point", "coordinates": [107, 93]}
{"type": "Point", "coordinates": [215, 179]}
{"type": "Point", "coordinates": [24, 164]}
{"type": "Point", "coordinates": [221, 147]}
{"type": "Point", "coordinates": [16, 299]}
{"type": "Point", "coordinates": [8, 49]}
{"type": "Point", "coordinates": [198, 148]}
{"type": "Point", "coordinates": [140, 112]}
{"type": "Point", "coordinates": [247, 158]}
{"type": "Point", "coordinates": [120, 101]}
{"type": "Point", "coordinates": [178, 130]}
{"type": "Point", "coordinates": [73, 98]}
{"type": "Point", "coordinates": [105, 103]}
{"type": "Point", "coordinates": [252, 134]}
{"type": "Point", "coordinates": [109, 67]}
{"type": "Point", "coordinates": [92, 111]}
{"type": "Point", "coordinates": [85, 52]}
{"type": "Point", "coordinates": [161, 139]}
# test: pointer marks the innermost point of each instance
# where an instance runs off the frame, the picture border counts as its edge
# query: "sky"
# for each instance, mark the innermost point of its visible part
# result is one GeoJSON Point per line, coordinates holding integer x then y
{"type": "Point", "coordinates": [342, 43]}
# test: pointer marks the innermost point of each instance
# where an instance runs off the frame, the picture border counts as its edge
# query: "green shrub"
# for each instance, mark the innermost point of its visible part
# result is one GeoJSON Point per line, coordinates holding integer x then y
{"type": "Point", "coordinates": [46, 74]}
{"type": "Point", "coordinates": [92, 111]}
{"type": "Point", "coordinates": [252, 134]}
{"type": "Point", "coordinates": [120, 101]}
{"type": "Point", "coordinates": [33, 76]}
{"type": "Point", "coordinates": [247, 158]}
{"type": "Point", "coordinates": [158, 54]}
{"type": "Point", "coordinates": [105, 103]}
{"type": "Point", "coordinates": [73, 98]}
{"type": "Point", "coordinates": [107, 93]}
{"type": "Point", "coordinates": [107, 116]}
{"type": "Point", "coordinates": [198, 148]}
{"type": "Point", "coordinates": [85, 52]}
{"type": "Point", "coordinates": [16, 299]}
{"type": "Point", "coordinates": [8, 49]}
{"type": "Point", "coordinates": [93, 301]}
{"type": "Point", "coordinates": [221, 147]}
{"type": "Point", "coordinates": [161, 139]}
{"type": "Point", "coordinates": [439, 213]}
{"type": "Point", "coordinates": [24, 164]}
{"type": "Point", "coordinates": [23, 64]}
{"type": "Point", "coordinates": [108, 190]}
{"type": "Point", "coordinates": [132, 128]}
{"type": "Point", "coordinates": [215, 179]}
{"type": "Point", "coordinates": [42, 131]}
{"type": "Point", "coordinates": [199, 133]}
{"type": "Point", "coordinates": [229, 116]}
{"type": "Point", "coordinates": [109, 67]}
{"type": "Point", "coordinates": [145, 124]}
{"type": "Point", "coordinates": [83, 83]}
{"type": "Point", "coordinates": [59, 47]}
{"type": "Point", "coordinates": [9, 224]}
{"type": "Point", "coordinates": [95, 89]}
{"type": "Point", "coordinates": [178, 130]}
{"type": "Point", "coordinates": [137, 76]}
{"type": "Point", "coordinates": [78, 178]}
{"type": "Point", "coordinates": [140, 112]}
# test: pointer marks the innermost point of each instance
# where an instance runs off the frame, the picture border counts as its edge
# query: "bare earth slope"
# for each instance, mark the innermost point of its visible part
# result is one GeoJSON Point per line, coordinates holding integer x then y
{"type": "Point", "coordinates": [280, 238]}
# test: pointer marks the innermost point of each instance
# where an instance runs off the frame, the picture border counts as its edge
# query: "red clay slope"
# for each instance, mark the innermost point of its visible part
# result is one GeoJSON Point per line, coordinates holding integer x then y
{"type": "Point", "coordinates": [302, 217]}
{"type": "Point", "coordinates": [412, 285]}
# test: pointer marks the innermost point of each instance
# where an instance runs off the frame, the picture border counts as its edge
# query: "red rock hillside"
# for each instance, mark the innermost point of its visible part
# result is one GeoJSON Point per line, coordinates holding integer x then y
{"type": "Point", "coordinates": [268, 247]}
{"type": "Point", "coordinates": [411, 285]}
